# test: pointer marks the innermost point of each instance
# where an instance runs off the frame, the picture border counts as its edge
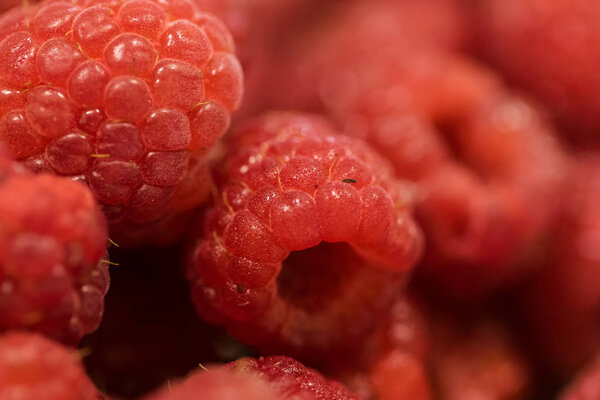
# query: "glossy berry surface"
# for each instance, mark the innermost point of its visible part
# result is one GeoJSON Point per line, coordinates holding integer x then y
{"type": "Point", "coordinates": [32, 367]}
{"type": "Point", "coordinates": [53, 276]}
{"type": "Point", "coordinates": [125, 96]}
{"type": "Point", "coordinates": [261, 269]}
{"type": "Point", "coordinates": [290, 379]}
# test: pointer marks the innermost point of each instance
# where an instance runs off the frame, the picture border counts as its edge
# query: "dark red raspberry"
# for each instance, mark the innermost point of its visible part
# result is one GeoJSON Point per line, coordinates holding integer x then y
{"type": "Point", "coordinates": [52, 243]}
{"type": "Point", "coordinates": [545, 47]}
{"type": "Point", "coordinates": [586, 386]}
{"type": "Point", "coordinates": [32, 367]}
{"type": "Point", "coordinates": [290, 183]}
{"type": "Point", "coordinates": [290, 379]}
{"type": "Point", "coordinates": [486, 161]}
{"type": "Point", "coordinates": [216, 385]}
{"type": "Point", "coordinates": [126, 96]}
{"type": "Point", "coordinates": [562, 304]}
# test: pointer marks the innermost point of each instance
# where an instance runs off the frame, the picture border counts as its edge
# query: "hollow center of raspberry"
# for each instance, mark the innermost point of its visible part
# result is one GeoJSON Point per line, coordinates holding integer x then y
{"type": "Point", "coordinates": [313, 277]}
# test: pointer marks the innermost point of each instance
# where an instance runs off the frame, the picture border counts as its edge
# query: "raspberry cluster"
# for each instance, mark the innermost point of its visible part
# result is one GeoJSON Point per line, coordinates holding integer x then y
{"type": "Point", "coordinates": [53, 267]}
{"type": "Point", "coordinates": [126, 96]}
{"type": "Point", "coordinates": [306, 200]}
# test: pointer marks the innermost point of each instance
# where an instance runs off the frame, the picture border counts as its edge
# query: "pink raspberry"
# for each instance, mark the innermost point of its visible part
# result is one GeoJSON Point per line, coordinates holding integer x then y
{"type": "Point", "coordinates": [216, 385]}
{"type": "Point", "coordinates": [585, 386]}
{"type": "Point", "coordinates": [52, 244]}
{"type": "Point", "coordinates": [290, 379]}
{"type": "Point", "coordinates": [32, 367]}
{"type": "Point", "coordinates": [545, 47]}
{"type": "Point", "coordinates": [260, 268]}
{"type": "Point", "coordinates": [128, 97]}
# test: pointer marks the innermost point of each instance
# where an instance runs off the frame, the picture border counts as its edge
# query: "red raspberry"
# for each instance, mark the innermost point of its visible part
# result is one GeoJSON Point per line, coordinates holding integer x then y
{"type": "Point", "coordinates": [477, 360]}
{"type": "Point", "coordinates": [290, 379]}
{"type": "Point", "coordinates": [32, 367]}
{"type": "Point", "coordinates": [562, 304]}
{"type": "Point", "coordinates": [52, 241]}
{"type": "Point", "coordinates": [290, 182]}
{"type": "Point", "coordinates": [544, 46]}
{"type": "Point", "coordinates": [487, 164]}
{"type": "Point", "coordinates": [126, 96]}
{"type": "Point", "coordinates": [586, 386]}
{"type": "Point", "coordinates": [392, 363]}
{"type": "Point", "coordinates": [216, 385]}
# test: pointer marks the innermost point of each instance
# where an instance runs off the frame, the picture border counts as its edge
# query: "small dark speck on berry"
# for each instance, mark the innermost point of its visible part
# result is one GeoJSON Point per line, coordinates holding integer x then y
{"type": "Point", "coordinates": [348, 180]}
{"type": "Point", "coordinates": [240, 289]}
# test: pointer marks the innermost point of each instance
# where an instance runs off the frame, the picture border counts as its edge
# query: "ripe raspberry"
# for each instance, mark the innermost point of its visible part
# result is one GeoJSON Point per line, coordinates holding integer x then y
{"type": "Point", "coordinates": [289, 183]}
{"type": "Point", "coordinates": [562, 304]}
{"type": "Point", "coordinates": [477, 359]}
{"type": "Point", "coordinates": [483, 158]}
{"type": "Point", "coordinates": [290, 379]}
{"type": "Point", "coordinates": [392, 363]}
{"type": "Point", "coordinates": [586, 386]}
{"type": "Point", "coordinates": [32, 367]}
{"type": "Point", "coordinates": [544, 46]}
{"type": "Point", "coordinates": [216, 385]}
{"type": "Point", "coordinates": [126, 96]}
{"type": "Point", "coordinates": [52, 240]}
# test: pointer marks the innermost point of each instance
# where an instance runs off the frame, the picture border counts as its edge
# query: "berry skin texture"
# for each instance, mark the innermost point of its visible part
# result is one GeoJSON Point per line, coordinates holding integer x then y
{"type": "Point", "coordinates": [310, 235]}
{"type": "Point", "coordinates": [218, 384]}
{"type": "Point", "coordinates": [128, 97]}
{"type": "Point", "coordinates": [53, 278]}
{"type": "Point", "coordinates": [290, 379]}
{"type": "Point", "coordinates": [33, 367]}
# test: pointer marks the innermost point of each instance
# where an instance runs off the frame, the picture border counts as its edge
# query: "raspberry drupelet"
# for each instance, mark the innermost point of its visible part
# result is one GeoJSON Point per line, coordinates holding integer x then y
{"type": "Point", "coordinates": [127, 96]}
{"type": "Point", "coordinates": [216, 385]}
{"type": "Point", "coordinates": [33, 367]}
{"type": "Point", "coordinates": [309, 239]}
{"type": "Point", "coordinates": [270, 378]}
{"type": "Point", "coordinates": [290, 379]}
{"type": "Point", "coordinates": [53, 277]}
{"type": "Point", "coordinates": [486, 161]}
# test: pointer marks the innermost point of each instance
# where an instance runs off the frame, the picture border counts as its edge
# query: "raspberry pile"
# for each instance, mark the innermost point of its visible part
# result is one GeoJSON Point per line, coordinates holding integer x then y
{"type": "Point", "coordinates": [128, 97]}
{"type": "Point", "coordinates": [53, 266]}
{"type": "Point", "coordinates": [299, 200]}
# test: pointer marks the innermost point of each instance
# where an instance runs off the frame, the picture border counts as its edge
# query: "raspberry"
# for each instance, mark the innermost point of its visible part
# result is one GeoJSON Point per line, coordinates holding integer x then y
{"type": "Point", "coordinates": [52, 241]}
{"type": "Point", "coordinates": [482, 157]}
{"type": "Point", "coordinates": [32, 367]}
{"type": "Point", "coordinates": [477, 359]}
{"type": "Point", "coordinates": [561, 305]}
{"type": "Point", "coordinates": [290, 379]}
{"type": "Point", "coordinates": [544, 47]}
{"type": "Point", "coordinates": [586, 386]}
{"type": "Point", "coordinates": [391, 363]}
{"type": "Point", "coordinates": [128, 97]}
{"type": "Point", "coordinates": [290, 183]}
{"type": "Point", "coordinates": [216, 385]}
